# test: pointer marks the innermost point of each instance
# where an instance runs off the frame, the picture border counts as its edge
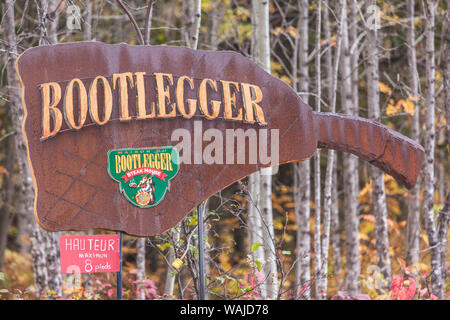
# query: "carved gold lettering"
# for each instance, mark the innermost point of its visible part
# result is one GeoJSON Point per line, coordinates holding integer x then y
{"type": "Point", "coordinates": [203, 98]}
{"type": "Point", "coordinates": [68, 104]}
{"type": "Point", "coordinates": [141, 109]}
{"type": "Point", "coordinates": [124, 79]}
{"type": "Point", "coordinates": [252, 97]}
{"type": "Point", "coordinates": [164, 95]}
{"type": "Point", "coordinates": [51, 95]}
{"type": "Point", "coordinates": [107, 103]}
{"type": "Point", "coordinates": [229, 101]}
{"type": "Point", "coordinates": [180, 98]}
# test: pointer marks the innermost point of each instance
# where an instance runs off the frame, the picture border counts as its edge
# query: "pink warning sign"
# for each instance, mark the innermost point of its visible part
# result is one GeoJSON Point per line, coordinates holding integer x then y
{"type": "Point", "coordinates": [90, 253]}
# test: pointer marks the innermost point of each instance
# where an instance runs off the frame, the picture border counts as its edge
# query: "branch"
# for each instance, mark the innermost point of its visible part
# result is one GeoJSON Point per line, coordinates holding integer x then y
{"type": "Point", "coordinates": [7, 135]}
{"type": "Point", "coordinates": [148, 17]}
{"type": "Point", "coordinates": [133, 21]}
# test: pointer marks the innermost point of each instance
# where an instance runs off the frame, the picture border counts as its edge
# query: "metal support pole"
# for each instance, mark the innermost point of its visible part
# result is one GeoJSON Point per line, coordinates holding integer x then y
{"type": "Point", "coordinates": [119, 274]}
{"type": "Point", "coordinates": [201, 259]}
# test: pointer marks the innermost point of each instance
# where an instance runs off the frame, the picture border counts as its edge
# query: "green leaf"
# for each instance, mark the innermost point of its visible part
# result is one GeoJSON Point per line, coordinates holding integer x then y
{"type": "Point", "coordinates": [191, 221]}
{"type": "Point", "coordinates": [255, 246]}
{"type": "Point", "coordinates": [258, 264]}
{"type": "Point", "coordinates": [286, 252]}
{"type": "Point", "coordinates": [2, 276]}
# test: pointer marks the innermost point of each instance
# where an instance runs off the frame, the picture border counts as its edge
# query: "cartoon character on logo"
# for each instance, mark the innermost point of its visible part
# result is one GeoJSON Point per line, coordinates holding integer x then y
{"type": "Point", "coordinates": [146, 193]}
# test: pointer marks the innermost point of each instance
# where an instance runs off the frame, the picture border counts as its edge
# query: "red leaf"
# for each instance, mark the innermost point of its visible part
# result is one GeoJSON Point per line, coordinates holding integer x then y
{"type": "Point", "coordinates": [110, 292]}
{"type": "Point", "coordinates": [302, 290]}
{"type": "Point", "coordinates": [403, 290]}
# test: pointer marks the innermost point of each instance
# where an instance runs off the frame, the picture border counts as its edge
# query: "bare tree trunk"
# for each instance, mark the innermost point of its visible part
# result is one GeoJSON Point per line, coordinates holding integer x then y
{"type": "Point", "coordinates": [26, 187]}
{"type": "Point", "coordinates": [140, 264]}
{"type": "Point", "coordinates": [53, 18]}
{"type": "Point", "coordinates": [378, 193]}
{"type": "Point", "coordinates": [195, 11]}
{"type": "Point", "coordinates": [148, 22]}
{"type": "Point", "coordinates": [170, 277]}
{"type": "Point", "coordinates": [270, 267]}
{"type": "Point", "coordinates": [335, 224]}
{"type": "Point", "coordinates": [7, 200]}
{"type": "Point", "coordinates": [262, 58]}
{"type": "Point", "coordinates": [330, 198]}
{"type": "Point", "coordinates": [254, 222]}
{"type": "Point", "coordinates": [319, 274]}
{"type": "Point", "coordinates": [351, 182]}
{"type": "Point", "coordinates": [87, 36]}
{"type": "Point", "coordinates": [353, 47]}
{"type": "Point", "coordinates": [25, 199]}
{"type": "Point", "coordinates": [444, 216]}
{"type": "Point", "coordinates": [141, 242]}
{"type": "Point", "coordinates": [302, 184]}
{"type": "Point", "coordinates": [49, 23]}
{"type": "Point", "coordinates": [443, 221]}
{"type": "Point", "coordinates": [330, 191]}
{"type": "Point", "coordinates": [413, 221]}
{"type": "Point", "coordinates": [87, 26]}
{"type": "Point", "coordinates": [195, 18]}
{"type": "Point", "coordinates": [39, 262]}
{"type": "Point", "coordinates": [52, 261]}
{"type": "Point", "coordinates": [429, 180]}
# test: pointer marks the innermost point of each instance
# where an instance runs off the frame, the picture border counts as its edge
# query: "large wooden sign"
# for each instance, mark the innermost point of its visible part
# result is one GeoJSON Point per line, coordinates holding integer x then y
{"type": "Point", "coordinates": [133, 138]}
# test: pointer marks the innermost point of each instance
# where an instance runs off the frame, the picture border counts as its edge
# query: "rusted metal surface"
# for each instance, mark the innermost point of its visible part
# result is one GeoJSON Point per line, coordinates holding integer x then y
{"type": "Point", "coordinates": [72, 186]}
{"type": "Point", "coordinates": [384, 148]}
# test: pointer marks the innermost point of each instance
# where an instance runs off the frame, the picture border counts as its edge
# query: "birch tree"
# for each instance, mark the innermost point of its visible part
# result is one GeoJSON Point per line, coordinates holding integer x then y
{"type": "Point", "coordinates": [330, 200]}
{"type": "Point", "coordinates": [254, 221]}
{"type": "Point", "coordinates": [335, 222]}
{"type": "Point", "coordinates": [195, 9]}
{"type": "Point", "coordinates": [26, 187]}
{"type": "Point", "coordinates": [330, 210]}
{"type": "Point", "coordinates": [140, 263]}
{"type": "Point", "coordinates": [44, 245]}
{"type": "Point", "coordinates": [317, 186]}
{"type": "Point", "coordinates": [378, 192]}
{"type": "Point", "coordinates": [192, 36]}
{"type": "Point", "coordinates": [46, 9]}
{"type": "Point", "coordinates": [302, 169]}
{"type": "Point", "coordinates": [171, 256]}
{"type": "Point", "coordinates": [350, 175]}
{"type": "Point", "coordinates": [430, 7]}
{"type": "Point", "coordinates": [262, 57]}
{"type": "Point", "coordinates": [141, 242]}
{"type": "Point", "coordinates": [87, 23]}
{"type": "Point", "coordinates": [413, 222]}
{"type": "Point", "coordinates": [444, 216]}
{"type": "Point", "coordinates": [355, 50]}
